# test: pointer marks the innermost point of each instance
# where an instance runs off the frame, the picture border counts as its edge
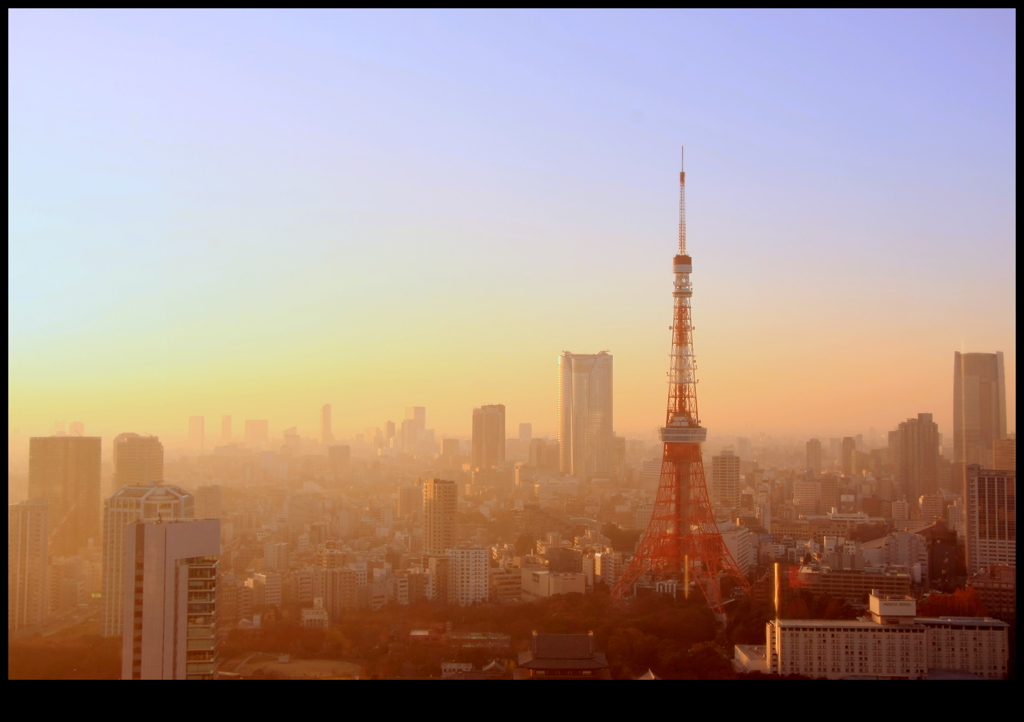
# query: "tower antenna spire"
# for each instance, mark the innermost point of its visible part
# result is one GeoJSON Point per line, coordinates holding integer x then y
{"type": "Point", "coordinates": [682, 203]}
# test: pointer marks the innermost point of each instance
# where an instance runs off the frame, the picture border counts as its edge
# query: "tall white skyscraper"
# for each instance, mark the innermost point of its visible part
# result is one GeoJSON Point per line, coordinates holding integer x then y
{"type": "Point", "coordinates": [585, 430]}
{"type": "Point", "coordinates": [979, 406]}
{"type": "Point", "coordinates": [128, 504]}
{"type": "Point", "coordinates": [169, 599]}
{"type": "Point", "coordinates": [28, 531]}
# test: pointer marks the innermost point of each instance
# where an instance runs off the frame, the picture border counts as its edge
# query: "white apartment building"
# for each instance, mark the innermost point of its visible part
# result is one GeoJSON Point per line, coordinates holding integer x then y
{"type": "Point", "coordinates": [128, 504]}
{"type": "Point", "coordinates": [892, 644]}
{"type": "Point", "coordinates": [169, 599]}
{"type": "Point", "coordinates": [468, 575]}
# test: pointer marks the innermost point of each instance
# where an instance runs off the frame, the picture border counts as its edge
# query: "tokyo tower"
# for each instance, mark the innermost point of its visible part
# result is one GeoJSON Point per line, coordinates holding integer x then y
{"type": "Point", "coordinates": [682, 542]}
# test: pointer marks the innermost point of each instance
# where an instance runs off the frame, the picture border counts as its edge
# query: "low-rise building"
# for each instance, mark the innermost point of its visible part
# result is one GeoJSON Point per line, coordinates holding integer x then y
{"type": "Point", "coordinates": [538, 584]}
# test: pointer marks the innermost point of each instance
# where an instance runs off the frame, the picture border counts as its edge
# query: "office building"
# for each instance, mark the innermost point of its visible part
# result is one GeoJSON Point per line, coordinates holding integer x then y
{"type": "Point", "coordinates": [814, 457]}
{"type": "Point", "coordinates": [449, 456]}
{"type": "Point", "coordinates": [725, 479]}
{"type": "Point", "coordinates": [979, 407]}
{"type": "Point", "coordinates": [585, 426]}
{"type": "Point", "coordinates": [991, 510]}
{"type": "Point", "coordinates": [488, 436]}
{"type": "Point", "coordinates": [538, 584]}
{"type": "Point", "coordinates": [326, 435]}
{"type": "Point", "coordinates": [138, 460]}
{"type": "Point", "coordinates": [526, 433]}
{"type": "Point", "coordinates": [914, 455]}
{"type": "Point", "coordinates": [468, 575]}
{"type": "Point", "coordinates": [65, 472]}
{"type": "Point", "coordinates": [197, 432]}
{"type": "Point", "coordinates": [257, 432]}
{"type": "Point", "coordinates": [418, 415]}
{"type": "Point", "coordinates": [225, 429]}
{"type": "Point", "coordinates": [170, 599]}
{"type": "Point", "coordinates": [126, 505]}
{"type": "Point", "coordinates": [440, 500]}
{"type": "Point", "coordinates": [267, 589]}
{"type": "Point", "coordinates": [28, 530]}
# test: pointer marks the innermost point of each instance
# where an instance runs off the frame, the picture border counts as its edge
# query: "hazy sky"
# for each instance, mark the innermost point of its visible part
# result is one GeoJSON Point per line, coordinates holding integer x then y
{"type": "Point", "coordinates": [255, 213]}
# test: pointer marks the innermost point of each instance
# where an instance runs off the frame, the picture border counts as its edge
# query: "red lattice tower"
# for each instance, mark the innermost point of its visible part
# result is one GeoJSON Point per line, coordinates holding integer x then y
{"type": "Point", "coordinates": [682, 542]}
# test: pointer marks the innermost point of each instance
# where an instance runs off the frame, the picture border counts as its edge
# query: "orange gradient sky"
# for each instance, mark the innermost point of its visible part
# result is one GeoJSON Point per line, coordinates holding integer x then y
{"type": "Point", "coordinates": [257, 213]}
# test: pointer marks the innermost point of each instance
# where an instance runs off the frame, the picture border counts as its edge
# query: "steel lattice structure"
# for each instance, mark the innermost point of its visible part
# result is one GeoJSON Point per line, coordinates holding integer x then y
{"type": "Point", "coordinates": [683, 541]}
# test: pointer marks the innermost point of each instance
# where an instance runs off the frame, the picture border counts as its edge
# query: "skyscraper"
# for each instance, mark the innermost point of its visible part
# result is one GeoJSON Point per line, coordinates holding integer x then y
{"type": "Point", "coordinates": [585, 427]}
{"type": "Point", "coordinates": [169, 607]}
{"type": "Point", "coordinates": [440, 501]}
{"type": "Point", "coordinates": [814, 456]}
{"type": "Point", "coordinates": [526, 432]}
{"type": "Point", "coordinates": [847, 450]}
{"type": "Point", "coordinates": [979, 406]}
{"type": "Point", "coordinates": [488, 436]}
{"type": "Point", "coordinates": [326, 436]}
{"type": "Point", "coordinates": [129, 503]}
{"type": "Point", "coordinates": [725, 479]}
{"type": "Point", "coordinates": [138, 460]}
{"type": "Point", "coordinates": [65, 471]}
{"type": "Point", "coordinates": [418, 415]}
{"type": "Point", "coordinates": [27, 564]}
{"type": "Point", "coordinates": [991, 510]}
{"type": "Point", "coordinates": [914, 455]}
{"type": "Point", "coordinates": [1004, 452]}
{"type": "Point", "coordinates": [225, 429]}
{"type": "Point", "coordinates": [197, 432]}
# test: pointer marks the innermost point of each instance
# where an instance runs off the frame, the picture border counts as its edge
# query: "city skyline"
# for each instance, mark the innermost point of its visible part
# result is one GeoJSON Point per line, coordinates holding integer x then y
{"type": "Point", "coordinates": [241, 305]}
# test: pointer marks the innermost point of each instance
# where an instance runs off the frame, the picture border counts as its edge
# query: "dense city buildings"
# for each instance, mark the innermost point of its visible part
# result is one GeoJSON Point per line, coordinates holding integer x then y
{"type": "Point", "coordinates": [169, 599]}
{"type": "Point", "coordinates": [65, 472]}
{"type": "Point", "coordinates": [584, 421]}
{"type": "Point", "coordinates": [138, 460]}
{"type": "Point", "coordinates": [28, 533]}
{"type": "Point", "coordinates": [225, 429]}
{"type": "Point", "coordinates": [991, 523]}
{"type": "Point", "coordinates": [979, 407]}
{"type": "Point", "coordinates": [488, 436]}
{"type": "Point", "coordinates": [257, 432]}
{"type": "Point", "coordinates": [129, 504]}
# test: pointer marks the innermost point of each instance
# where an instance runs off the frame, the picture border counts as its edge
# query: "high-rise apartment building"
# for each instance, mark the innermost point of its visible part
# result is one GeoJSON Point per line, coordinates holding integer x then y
{"type": "Point", "coordinates": [914, 455]}
{"type": "Point", "coordinates": [725, 479]}
{"type": "Point", "coordinates": [169, 599]}
{"type": "Point", "coordinates": [28, 530]}
{"type": "Point", "coordinates": [585, 430]}
{"type": "Point", "coordinates": [468, 575]}
{"type": "Point", "coordinates": [65, 471]}
{"type": "Point", "coordinates": [257, 432]}
{"type": "Point", "coordinates": [488, 436]}
{"type": "Point", "coordinates": [138, 460]}
{"type": "Point", "coordinates": [814, 456]}
{"type": "Point", "coordinates": [326, 435]}
{"type": "Point", "coordinates": [197, 432]}
{"type": "Point", "coordinates": [440, 500]}
{"type": "Point", "coordinates": [225, 429]}
{"type": "Point", "coordinates": [418, 415]}
{"type": "Point", "coordinates": [129, 504]}
{"type": "Point", "coordinates": [991, 510]}
{"type": "Point", "coordinates": [979, 406]}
